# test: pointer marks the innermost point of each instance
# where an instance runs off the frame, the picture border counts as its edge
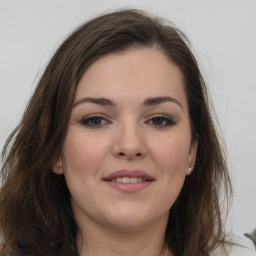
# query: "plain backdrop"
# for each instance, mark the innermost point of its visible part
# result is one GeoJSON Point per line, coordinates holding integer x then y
{"type": "Point", "coordinates": [223, 35]}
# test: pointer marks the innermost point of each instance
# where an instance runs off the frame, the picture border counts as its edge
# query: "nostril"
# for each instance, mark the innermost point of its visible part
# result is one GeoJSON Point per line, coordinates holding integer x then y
{"type": "Point", "coordinates": [123, 154]}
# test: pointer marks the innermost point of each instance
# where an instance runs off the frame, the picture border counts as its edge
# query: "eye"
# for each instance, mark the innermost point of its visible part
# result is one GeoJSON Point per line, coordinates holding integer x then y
{"type": "Point", "coordinates": [94, 121]}
{"type": "Point", "coordinates": [161, 121]}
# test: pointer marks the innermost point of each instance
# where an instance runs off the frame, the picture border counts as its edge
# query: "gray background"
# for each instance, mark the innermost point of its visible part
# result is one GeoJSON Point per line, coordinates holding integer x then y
{"type": "Point", "coordinates": [223, 33]}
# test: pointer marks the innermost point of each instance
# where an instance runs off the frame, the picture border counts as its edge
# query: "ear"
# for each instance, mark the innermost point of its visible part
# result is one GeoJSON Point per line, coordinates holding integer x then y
{"type": "Point", "coordinates": [192, 156]}
{"type": "Point", "coordinates": [57, 166]}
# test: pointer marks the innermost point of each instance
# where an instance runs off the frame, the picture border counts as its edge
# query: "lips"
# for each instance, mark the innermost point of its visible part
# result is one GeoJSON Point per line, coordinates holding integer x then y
{"type": "Point", "coordinates": [129, 181]}
{"type": "Point", "coordinates": [128, 174]}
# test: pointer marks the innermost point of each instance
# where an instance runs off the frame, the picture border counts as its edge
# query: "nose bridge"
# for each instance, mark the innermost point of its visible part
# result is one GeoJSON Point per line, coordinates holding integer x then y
{"type": "Point", "coordinates": [129, 140]}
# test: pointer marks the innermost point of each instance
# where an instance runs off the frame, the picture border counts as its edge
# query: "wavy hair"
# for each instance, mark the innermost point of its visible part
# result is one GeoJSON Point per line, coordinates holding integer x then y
{"type": "Point", "coordinates": [36, 217]}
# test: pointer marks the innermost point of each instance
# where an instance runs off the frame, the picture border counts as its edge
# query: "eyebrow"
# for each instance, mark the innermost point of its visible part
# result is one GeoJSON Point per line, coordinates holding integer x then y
{"type": "Point", "coordinates": [98, 101]}
{"type": "Point", "coordinates": [159, 100]}
{"type": "Point", "coordinates": [147, 102]}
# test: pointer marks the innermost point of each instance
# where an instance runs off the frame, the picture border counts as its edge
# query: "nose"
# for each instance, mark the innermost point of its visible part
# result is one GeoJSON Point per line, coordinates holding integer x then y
{"type": "Point", "coordinates": [129, 142]}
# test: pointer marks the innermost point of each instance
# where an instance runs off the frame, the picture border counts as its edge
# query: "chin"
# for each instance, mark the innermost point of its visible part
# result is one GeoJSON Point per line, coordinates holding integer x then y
{"type": "Point", "coordinates": [131, 220]}
{"type": "Point", "coordinates": [131, 224]}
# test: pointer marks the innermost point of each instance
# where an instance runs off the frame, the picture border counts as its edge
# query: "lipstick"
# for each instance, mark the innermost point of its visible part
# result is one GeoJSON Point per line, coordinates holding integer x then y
{"type": "Point", "coordinates": [129, 181]}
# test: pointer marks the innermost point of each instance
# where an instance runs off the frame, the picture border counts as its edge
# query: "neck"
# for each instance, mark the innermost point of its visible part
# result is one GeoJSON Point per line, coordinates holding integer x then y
{"type": "Point", "coordinates": [98, 241]}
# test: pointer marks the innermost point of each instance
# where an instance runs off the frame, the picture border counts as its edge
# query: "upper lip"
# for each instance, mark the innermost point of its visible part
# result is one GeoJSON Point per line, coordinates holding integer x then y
{"type": "Point", "coordinates": [127, 173]}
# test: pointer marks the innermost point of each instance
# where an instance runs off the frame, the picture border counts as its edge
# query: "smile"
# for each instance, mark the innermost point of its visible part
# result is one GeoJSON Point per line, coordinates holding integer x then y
{"type": "Point", "coordinates": [128, 179]}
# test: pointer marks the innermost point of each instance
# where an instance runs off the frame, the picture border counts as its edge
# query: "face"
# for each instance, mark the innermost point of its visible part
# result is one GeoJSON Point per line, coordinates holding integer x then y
{"type": "Point", "coordinates": [128, 147]}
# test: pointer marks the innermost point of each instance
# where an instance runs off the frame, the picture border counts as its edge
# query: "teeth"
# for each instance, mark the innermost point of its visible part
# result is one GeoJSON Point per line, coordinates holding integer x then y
{"type": "Point", "coordinates": [128, 179]}
{"type": "Point", "coordinates": [119, 179]}
{"type": "Point", "coordinates": [134, 180]}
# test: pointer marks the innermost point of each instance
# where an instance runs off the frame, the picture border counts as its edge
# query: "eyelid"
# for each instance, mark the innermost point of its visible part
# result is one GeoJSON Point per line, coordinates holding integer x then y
{"type": "Point", "coordinates": [86, 119]}
{"type": "Point", "coordinates": [161, 115]}
{"type": "Point", "coordinates": [96, 115]}
{"type": "Point", "coordinates": [168, 118]}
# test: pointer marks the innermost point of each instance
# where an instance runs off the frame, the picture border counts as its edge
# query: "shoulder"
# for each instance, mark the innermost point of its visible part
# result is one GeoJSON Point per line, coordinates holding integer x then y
{"type": "Point", "coordinates": [237, 246]}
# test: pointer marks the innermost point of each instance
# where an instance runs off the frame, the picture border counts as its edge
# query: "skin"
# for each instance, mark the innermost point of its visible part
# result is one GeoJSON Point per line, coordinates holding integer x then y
{"type": "Point", "coordinates": [129, 135]}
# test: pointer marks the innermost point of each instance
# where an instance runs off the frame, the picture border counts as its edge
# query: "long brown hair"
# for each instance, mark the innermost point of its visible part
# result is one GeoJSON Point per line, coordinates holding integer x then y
{"type": "Point", "coordinates": [35, 212]}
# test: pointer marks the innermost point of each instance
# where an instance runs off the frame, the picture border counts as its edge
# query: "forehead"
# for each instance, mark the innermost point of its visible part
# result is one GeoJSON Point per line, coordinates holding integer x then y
{"type": "Point", "coordinates": [132, 74]}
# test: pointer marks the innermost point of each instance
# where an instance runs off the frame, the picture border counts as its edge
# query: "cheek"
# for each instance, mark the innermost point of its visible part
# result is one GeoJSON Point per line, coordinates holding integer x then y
{"type": "Point", "coordinates": [83, 152]}
{"type": "Point", "coordinates": [172, 164]}
{"type": "Point", "coordinates": [171, 157]}
{"type": "Point", "coordinates": [83, 158]}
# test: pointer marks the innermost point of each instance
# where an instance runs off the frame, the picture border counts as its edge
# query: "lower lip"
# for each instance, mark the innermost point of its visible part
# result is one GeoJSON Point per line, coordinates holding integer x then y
{"type": "Point", "coordinates": [129, 187]}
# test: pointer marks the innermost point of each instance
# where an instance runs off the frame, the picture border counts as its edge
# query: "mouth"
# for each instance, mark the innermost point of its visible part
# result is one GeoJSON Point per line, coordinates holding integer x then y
{"type": "Point", "coordinates": [129, 181]}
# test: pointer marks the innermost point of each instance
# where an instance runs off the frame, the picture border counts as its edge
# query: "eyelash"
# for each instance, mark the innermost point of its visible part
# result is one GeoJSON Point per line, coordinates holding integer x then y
{"type": "Point", "coordinates": [99, 121]}
{"type": "Point", "coordinates": [88, 121]}
{"type": "Point", "coordinates": [168, 121]}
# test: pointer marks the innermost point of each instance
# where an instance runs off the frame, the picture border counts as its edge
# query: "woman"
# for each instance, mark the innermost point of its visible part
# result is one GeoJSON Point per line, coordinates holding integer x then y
{"type": "Point", "coordinates": [116, 153]}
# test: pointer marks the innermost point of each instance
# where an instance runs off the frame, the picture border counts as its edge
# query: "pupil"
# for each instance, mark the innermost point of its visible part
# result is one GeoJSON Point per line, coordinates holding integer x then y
{"type": "Point", "coordinates": [96, 120]}
{"type": "Point", "coordinates": [158, 121]}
